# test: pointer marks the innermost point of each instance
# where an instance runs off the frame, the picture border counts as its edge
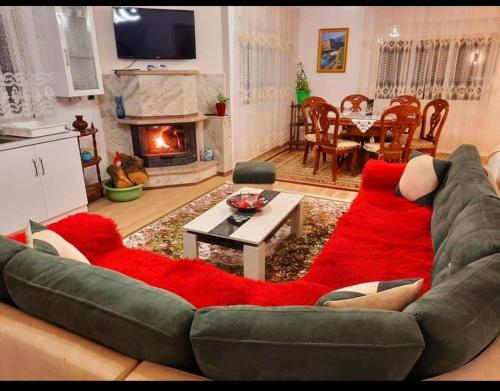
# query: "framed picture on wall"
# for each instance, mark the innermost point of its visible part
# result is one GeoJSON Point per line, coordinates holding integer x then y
{"type": "Point", "coordinates": [332, 50]}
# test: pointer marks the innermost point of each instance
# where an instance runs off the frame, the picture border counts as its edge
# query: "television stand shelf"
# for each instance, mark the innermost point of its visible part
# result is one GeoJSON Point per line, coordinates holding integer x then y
{"type": "Point", "coordinates": [157, 72]}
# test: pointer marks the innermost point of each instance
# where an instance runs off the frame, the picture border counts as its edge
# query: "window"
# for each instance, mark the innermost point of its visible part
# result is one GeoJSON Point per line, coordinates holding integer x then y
{"type": "Point", "coordinates": [447, 68]}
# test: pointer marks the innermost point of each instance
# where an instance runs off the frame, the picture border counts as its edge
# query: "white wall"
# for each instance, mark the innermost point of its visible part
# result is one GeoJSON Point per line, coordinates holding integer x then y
{"type": "Point", "coordinates": [331, 86]}
{"type": "Point", "coordinates": [208, 30]}
{"type": "Point", "coordinates": [209, 59]}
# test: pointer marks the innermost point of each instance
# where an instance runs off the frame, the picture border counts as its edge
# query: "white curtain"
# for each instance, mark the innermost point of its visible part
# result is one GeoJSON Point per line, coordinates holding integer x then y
{"type": "Point", "coordinates": [266, 55]}
{"type": "Point", "coordinates": [430, 52]}
{"type": "Point", "coordinates": [25, 78]}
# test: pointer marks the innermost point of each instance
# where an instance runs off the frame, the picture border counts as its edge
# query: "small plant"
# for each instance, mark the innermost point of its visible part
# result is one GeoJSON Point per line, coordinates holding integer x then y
{"type": "Point", "coordinates": [221, 98]}
{"type": "Point", "coordinates": [301, 82]}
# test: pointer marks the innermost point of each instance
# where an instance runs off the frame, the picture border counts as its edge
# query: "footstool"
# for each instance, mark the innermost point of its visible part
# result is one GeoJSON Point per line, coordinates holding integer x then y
{"type": "Point", "coordinates": [260, 174]}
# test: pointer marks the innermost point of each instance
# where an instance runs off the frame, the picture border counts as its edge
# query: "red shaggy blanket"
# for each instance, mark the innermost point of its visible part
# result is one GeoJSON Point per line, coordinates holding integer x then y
{"type": "Point", "coordinates": [381, 237]}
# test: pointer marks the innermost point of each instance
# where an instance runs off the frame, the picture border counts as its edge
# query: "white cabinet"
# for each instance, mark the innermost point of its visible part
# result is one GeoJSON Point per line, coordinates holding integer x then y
{"type": "Point", "coordinates": [40, 182]}
{"type": "Point", "coordinates": [68, 33]}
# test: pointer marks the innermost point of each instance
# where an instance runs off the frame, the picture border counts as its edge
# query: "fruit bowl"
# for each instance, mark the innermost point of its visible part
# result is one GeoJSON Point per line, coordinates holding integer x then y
{"type": "Point", "coordinates": [247, 202]}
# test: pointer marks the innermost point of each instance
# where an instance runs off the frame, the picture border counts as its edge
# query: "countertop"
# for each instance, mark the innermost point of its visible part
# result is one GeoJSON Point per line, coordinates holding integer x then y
{"type": "Point", "coordinates": [26, 141]}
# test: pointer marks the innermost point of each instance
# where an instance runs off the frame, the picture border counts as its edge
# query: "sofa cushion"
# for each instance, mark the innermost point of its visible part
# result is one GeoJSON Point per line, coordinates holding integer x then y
{"type": "Point", "coordinates": [474, 234]}
{"type": "Point", "coordinates": [458, 317]}
{"type": "Point", "coordinates": [254, 172]}
{"type": "Point", "coordinates": [8, 248]}
{"type": "Point", "coordinates": [304, 343]}
{"type": "Point", "coordinates": [40, 238]}
{"type": "Point", "coordinates": [465, 180]}
{"type": "Point", "coordinates": [383, 295]}
{"type": "Point", "coordinates": [421, 178]}
{"type": "Point", "coordinates": [109, 308]}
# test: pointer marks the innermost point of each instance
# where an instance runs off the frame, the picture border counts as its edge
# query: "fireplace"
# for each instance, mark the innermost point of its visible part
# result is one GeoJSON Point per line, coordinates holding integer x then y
{"type": "Point", "coordinates": [165, 145]}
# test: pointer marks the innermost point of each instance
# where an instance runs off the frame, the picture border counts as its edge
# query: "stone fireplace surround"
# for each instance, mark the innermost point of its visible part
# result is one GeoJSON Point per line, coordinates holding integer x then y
{"type": "Point", "coordinates": [168, 97]}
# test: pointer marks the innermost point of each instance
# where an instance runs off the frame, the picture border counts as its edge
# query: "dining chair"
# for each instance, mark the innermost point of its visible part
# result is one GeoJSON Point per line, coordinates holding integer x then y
{"type": "Point", "coordinates": [402, 120]}
{"type": "Point", "coordinates": [355, 100]}
{"type": "Point", "coordinates": [406, 99]}
{"type": "Point", "coordinates": [428, 140]}
{"type": "Point", "coordinates": [309, 132]}
{"type": "Point", "coordinates": [328, 141]}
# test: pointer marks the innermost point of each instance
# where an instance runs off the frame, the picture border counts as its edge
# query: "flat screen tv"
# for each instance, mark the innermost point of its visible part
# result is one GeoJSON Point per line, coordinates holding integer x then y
{"type": "Point", "coordinates": [147, 33]}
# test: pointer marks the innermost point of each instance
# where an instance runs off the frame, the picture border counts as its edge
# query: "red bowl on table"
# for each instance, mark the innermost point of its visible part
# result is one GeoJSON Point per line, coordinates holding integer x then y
{"type": "Point", "coordinates": [247, 202]}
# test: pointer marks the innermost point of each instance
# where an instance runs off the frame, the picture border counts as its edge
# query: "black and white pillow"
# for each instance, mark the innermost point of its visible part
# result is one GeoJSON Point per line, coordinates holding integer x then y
{"type": "Point", "coordinates": [421, 178]}
{"type": "Point", "coordinates": [40, 238]}
{"type": "Point", "coordinates": [385, 295]}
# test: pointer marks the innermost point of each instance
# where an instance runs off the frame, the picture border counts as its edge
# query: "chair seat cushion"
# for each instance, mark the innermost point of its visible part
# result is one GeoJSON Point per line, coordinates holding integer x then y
{"type": "Point", "coordinates": [254, 172]}
{"type": "Point", "coordinates": [371, 147]}
{"type": "Point", "coordinates": [421, 144]}
{"type": "Point", "coordinates": [343, 145]}
{"type": "Point", "coordinates": [311, 137]}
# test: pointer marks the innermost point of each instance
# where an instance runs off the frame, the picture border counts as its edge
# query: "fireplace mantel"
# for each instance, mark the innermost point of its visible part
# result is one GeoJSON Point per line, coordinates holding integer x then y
{"type": "Point", "coordinates": [166, 120]}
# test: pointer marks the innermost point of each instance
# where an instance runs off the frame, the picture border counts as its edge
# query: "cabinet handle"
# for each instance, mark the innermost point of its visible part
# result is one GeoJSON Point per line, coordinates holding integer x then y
{"type": "Point", "coordinates": [36, 169]}
{"type": "Point", "coordinates": [66, 54]}
{"type": "Point", "coordinates": [43, 168]}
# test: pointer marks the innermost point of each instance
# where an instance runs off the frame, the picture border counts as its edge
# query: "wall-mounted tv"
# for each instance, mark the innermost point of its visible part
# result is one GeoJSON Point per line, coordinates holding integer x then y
{"type": "Point", "coordinates": [147, 33]}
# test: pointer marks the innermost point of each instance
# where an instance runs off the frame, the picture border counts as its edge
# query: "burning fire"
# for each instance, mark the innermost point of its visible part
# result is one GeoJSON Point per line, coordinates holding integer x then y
{"type": "Point", "coordinates": [159, 143]}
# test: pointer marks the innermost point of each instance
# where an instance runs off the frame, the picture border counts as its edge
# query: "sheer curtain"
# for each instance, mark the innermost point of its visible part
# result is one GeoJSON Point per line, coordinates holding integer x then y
{"type": "Point", "coordinates": [25, 80]}
{"type": "Point", "coordinates": [266, 55]}
{"type": "Point", "coordinates": [430, 52]}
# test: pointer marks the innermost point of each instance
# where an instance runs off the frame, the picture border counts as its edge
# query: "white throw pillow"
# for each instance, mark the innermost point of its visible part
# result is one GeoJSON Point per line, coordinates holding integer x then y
{"type": "Point", "coordinates": [41, 238]}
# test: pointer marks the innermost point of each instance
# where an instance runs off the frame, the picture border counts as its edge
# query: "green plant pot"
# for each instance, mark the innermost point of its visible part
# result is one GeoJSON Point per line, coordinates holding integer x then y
{"type": "Point", "coordinates": [122, 195]}
{"type": "Point", "coordinates": [302, 95]}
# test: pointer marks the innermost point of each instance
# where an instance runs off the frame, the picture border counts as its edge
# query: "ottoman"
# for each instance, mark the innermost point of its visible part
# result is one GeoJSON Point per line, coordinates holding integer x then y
{"type": "Point", "coordinates": [257, 174]}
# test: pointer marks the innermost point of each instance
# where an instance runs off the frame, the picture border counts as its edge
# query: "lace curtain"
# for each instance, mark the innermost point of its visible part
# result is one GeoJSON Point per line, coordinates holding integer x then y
{"type": "Point", "coordinates": [431, 52]}
{"type": "Point", "coordinates": [25, 81]}
{"type": "Point", "coordinates": [266, 54]}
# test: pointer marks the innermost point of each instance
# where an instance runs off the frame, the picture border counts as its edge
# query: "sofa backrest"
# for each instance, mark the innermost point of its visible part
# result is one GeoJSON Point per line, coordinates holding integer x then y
{"type": "Point", "coordinates": [107, 307]}
{"type": "Point", "coordinates": [460, 315]}
{"type": "Point", "coordinates": [465, 181]}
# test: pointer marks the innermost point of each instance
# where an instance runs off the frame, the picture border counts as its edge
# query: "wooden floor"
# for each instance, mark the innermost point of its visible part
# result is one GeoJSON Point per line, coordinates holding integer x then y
{"type": "Point", "coordinates": [153, 204]}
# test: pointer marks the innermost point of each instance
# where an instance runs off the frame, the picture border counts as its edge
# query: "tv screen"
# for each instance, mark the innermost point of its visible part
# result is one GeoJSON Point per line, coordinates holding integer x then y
{"type": "Point", "coordinates": [146, 33]}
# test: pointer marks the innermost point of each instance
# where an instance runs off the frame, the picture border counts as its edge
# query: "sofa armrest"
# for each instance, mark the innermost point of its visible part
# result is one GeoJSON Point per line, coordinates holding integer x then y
{"type": "Point", "coordinates": [304, 343]}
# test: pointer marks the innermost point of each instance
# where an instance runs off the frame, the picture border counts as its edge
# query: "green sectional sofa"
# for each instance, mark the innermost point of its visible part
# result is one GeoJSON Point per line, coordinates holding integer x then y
{"type": "Point", "coordinates": [443, 330]}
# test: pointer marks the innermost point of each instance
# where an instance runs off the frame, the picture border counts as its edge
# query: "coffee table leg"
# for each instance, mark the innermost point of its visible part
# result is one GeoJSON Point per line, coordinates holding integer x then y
{"type": "Point", "coordinates": [190, 244]}
{"type": "Point", "coordinates": [254, 262]}
{"type": "Point", "coordinates": [296, 220]}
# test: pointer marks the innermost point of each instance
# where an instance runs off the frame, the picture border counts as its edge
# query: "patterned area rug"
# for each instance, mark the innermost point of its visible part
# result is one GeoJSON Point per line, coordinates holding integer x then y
{"type": "Point", "coordinates": [289, 168]}
{"type": "Point", "coordinates": [286, 257]}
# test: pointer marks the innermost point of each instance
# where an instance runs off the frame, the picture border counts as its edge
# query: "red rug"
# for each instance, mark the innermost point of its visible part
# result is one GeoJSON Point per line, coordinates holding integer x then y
{"type": "Point", "coordinates": [381, 237]}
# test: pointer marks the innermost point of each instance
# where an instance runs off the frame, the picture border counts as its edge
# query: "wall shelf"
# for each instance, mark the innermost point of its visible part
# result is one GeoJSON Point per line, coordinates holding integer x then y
{"type": "Point", "coordinates": [134, 72]}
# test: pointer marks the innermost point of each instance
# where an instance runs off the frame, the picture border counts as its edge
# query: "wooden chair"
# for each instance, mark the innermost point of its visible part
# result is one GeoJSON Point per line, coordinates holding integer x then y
{"type": "Point", "coordinates": [355, 100]}
{"type": "Point", "coordinates": [309, 132]}
{"type": "Point", "coordinates": [406, 99]}
{"type": "Point", "coordinates": [403, 121]}
{"type": "Point", "coordinates": [427, 143]}
{"type": "Point", "coordinates": [330, 143]}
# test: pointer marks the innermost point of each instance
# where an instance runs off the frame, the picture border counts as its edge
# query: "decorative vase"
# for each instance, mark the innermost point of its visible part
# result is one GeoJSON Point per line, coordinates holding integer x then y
{"type": "Point", "coordinates": [221, 109]}
{"type": "Point", "coordinates": [208, 154]}
{"type": "Point", "coordinates": [302, 95]}
{"type": "Point", "coordinates": [79, 123]}
{"type": "Point", "coordinates": [86, 156]}
{"type": "Point", "coordinates": [120, 110]}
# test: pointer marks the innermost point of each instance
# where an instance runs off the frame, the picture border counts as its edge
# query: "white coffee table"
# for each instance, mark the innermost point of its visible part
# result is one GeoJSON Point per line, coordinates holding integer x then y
{"type": "Point", "coordinates": [214, 227]}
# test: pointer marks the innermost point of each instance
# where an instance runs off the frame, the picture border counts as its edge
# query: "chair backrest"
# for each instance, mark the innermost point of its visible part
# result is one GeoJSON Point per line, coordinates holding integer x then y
{"type": "Point", "coordinates": [326, 115]}
{"type": "Point", "coordinates": [407, 99]}
{"type": "Point", "coordinates": [437, 120]}
{"type": "Point", "coordinates": [355, 100]}
{"type": "Point", "coordinates": [305, 109]}
{"type": "Point", "coordinates": [402, 120]}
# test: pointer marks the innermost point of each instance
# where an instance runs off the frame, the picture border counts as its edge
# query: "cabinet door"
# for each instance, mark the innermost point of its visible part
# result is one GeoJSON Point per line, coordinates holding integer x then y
{"type": "Point", "coordinates": [61, 176]}
{"type": "Point", "coordinates": [21, 196]}
{"type": "Point", "coordinates": [80, 49]}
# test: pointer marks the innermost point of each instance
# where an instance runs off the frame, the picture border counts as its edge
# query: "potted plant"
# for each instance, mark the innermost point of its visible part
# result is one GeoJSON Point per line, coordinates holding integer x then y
{"type": "Point", "coordinates": [86, 154]}
{"type": "Point", "coordinates": [301, 84]}
{"type": "Point", "coordinates": [220, 106]}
